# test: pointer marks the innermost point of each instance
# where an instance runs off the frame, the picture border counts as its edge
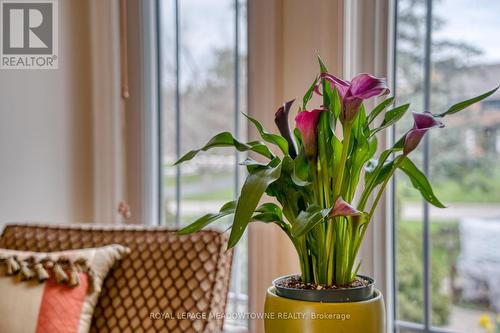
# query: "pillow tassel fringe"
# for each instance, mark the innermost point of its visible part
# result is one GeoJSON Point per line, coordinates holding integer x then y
{"type": "Point", "coordinates": [93, 282]}
{"type": "Point", "coordinates": [64, 270]}
{"type": "Point", "coordinates": [41, 272]}
{"type": "Point", "coordinates": [74, 279]}
{"type": "Point", "coordinates": [60, 274]}
{"type": "Point", "coordinates": [26, 273]}
{"type": "Point", "coordinates": [12, 266]}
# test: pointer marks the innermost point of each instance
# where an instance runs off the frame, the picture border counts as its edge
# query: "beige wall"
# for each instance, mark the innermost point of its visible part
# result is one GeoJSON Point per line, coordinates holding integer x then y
{"type": "Point", "coordinates": [46, 132]}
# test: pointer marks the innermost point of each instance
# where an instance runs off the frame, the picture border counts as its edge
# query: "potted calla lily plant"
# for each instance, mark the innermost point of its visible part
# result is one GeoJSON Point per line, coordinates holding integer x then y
{"type": "Point", "coordinates": [323, 188]}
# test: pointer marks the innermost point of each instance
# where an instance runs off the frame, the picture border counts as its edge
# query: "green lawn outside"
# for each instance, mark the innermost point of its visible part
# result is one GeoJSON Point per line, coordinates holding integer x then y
{"type": "Point", "coordinates": [474, 187]}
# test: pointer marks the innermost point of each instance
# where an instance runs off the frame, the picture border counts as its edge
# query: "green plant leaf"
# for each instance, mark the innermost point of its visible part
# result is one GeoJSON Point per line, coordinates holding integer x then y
{"type": "Point", "coordinates": [206, 219]}
{"type": "Point", "coordinates": [308, 219]}
{"type": "Point", "coordinates": [250, 161]}
{"type": "Point", "coordinates": [465, 104]}
{"type": "Point", "coordinates": [391, 117]}
{"type": "Point", "coordinates": [254, 187]}
{"type": "Point", "coordinates": [270, 207]}
{"type": "Point", "coordinates": [266, 218]}
{"type": "Point", "coordinates": [253, 165]}
{"type": "Point", "coordinates": [269, 212]}
{"type": "Point", "coordinates": [420, 182]}
{"type": "Point", "coordinates": [322, 66]}
{"type": "Point", "coordinates": [374, 164]}
{"type": "Point", "coordinates": [324, 137]}
{"type": "Point", "coordinates": [289, 166]}
{"type": "Point", "coordinates": [298, 137]}
{"type": "Point", "coordinates": [270, 137]}
{"type": "Point", "coordinates": [337, 152]}
{"type": "Point", "coordinates": [378, 109]}
{"type": "Point", "coordinates": [336, 106]}
{"type": "Point", "coordinates": [376, 172]}
{"type": "Point", "coordinates": [399, 145]}
{"type": "Point", "coordinates": [373, 145]}
{"type": "Point", "coordinates": [226, 139]}
{"type": "Point", "coordinates": [309, 93]}
{"type": "Point", "coordinates": [362, 150]}
{"type": "Point", "coordinates": [379, 174]}
{"type": "Point", "coordinates": [359, 123]}
{"type": "Point", "coordinates": [261, 148]}
{"type": "Point", "coordinates": [301, 166]}
{"type": "Point", "coordinates": [328, 97]}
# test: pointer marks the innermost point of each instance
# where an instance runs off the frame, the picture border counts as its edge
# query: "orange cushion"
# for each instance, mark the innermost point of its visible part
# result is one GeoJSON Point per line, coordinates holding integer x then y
{"type": "Point", "coordinates": [51, 307]}
{"type": "Point", "coordinates": [61, 306]}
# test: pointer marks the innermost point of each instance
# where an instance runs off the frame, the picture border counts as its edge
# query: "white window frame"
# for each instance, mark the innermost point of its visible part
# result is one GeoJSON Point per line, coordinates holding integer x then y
{"type": "Point", "coordinates": [107, 111]}
{"type": "Point", "coordinates": [125, 131]}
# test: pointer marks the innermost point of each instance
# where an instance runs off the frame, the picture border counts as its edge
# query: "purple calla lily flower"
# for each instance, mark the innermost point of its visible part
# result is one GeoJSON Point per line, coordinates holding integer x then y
{"type": "Point", "coordinates": [281, 121]}
{"type": "Point", "coordinates": [364, 86]}
{"type": "Point", "coordinates": [307, 123]}
{"type": "Point", "coordinates": [422, 123]}
{"type": "Point", "coordinates": [352, 94]}
{"type": "Point", "coordinates": [341, 85]}
{"type": "Point", "coordinates": [342, 208]}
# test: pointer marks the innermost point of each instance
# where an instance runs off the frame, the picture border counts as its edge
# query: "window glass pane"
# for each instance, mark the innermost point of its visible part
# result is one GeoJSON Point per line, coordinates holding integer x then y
{"type": "Point", "coordinates": [167, 90]}
{"type": "Point", "coordinates": [207, 104]}
{"type": "Point", "coordinates": [410, 43]}
{"type": "Point", "coordinates": [464, 166]}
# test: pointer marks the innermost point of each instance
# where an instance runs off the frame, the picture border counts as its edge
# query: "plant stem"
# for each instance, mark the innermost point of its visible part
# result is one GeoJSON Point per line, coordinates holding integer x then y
{"type": "Point", "coordinates": [318, 192]}
{"type": "Point", "coordinates": [324, 135]}
{"type": "Point", "coordinates": [300, 244]}
{"type": "Point", "coordinates": [343, 159]}
{"type": "Point", "coordinates": [318, 230]}
{"type": "Point", "coordinates": [384, 184]}
{"type": "Point", "coordinates": [323, 184]}
{"type": "Point", "coordinates": [304, 257]}
{"type": "Point", "coordinates": [336, 193]}
{"type": "Point", "coordinates": [375, 203]}
{"type": "Point", "coordinates": [367, 191]}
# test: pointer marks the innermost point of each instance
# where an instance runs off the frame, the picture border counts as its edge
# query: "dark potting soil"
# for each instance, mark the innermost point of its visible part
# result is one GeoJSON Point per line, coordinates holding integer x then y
{"type": "Point", "coordinates": [295, 282]}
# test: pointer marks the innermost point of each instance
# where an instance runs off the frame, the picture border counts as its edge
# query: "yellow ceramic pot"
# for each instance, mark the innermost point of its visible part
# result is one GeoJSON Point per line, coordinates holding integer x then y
{"type": "Point", "coordinates": [284, 315]}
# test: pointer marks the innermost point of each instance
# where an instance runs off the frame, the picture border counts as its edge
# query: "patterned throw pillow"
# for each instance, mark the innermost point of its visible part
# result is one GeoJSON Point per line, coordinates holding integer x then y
{"type": "Point", "coordinates": [53, 292]}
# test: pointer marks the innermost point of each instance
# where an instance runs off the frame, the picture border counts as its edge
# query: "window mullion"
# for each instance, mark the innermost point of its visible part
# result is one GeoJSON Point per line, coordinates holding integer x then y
{"type": "Point", "coordinates": [393, 181]}
{"type": "Point", "coordinates": [425, 229]}
{"type": "Point", "coordinates": [159, 103]}
{"type": "Point", "coordinates": [237, 251]}
{"type": "Point", "coordinates": [177, 117]}
{"type": "Point", "coordinates": [236, 92]}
